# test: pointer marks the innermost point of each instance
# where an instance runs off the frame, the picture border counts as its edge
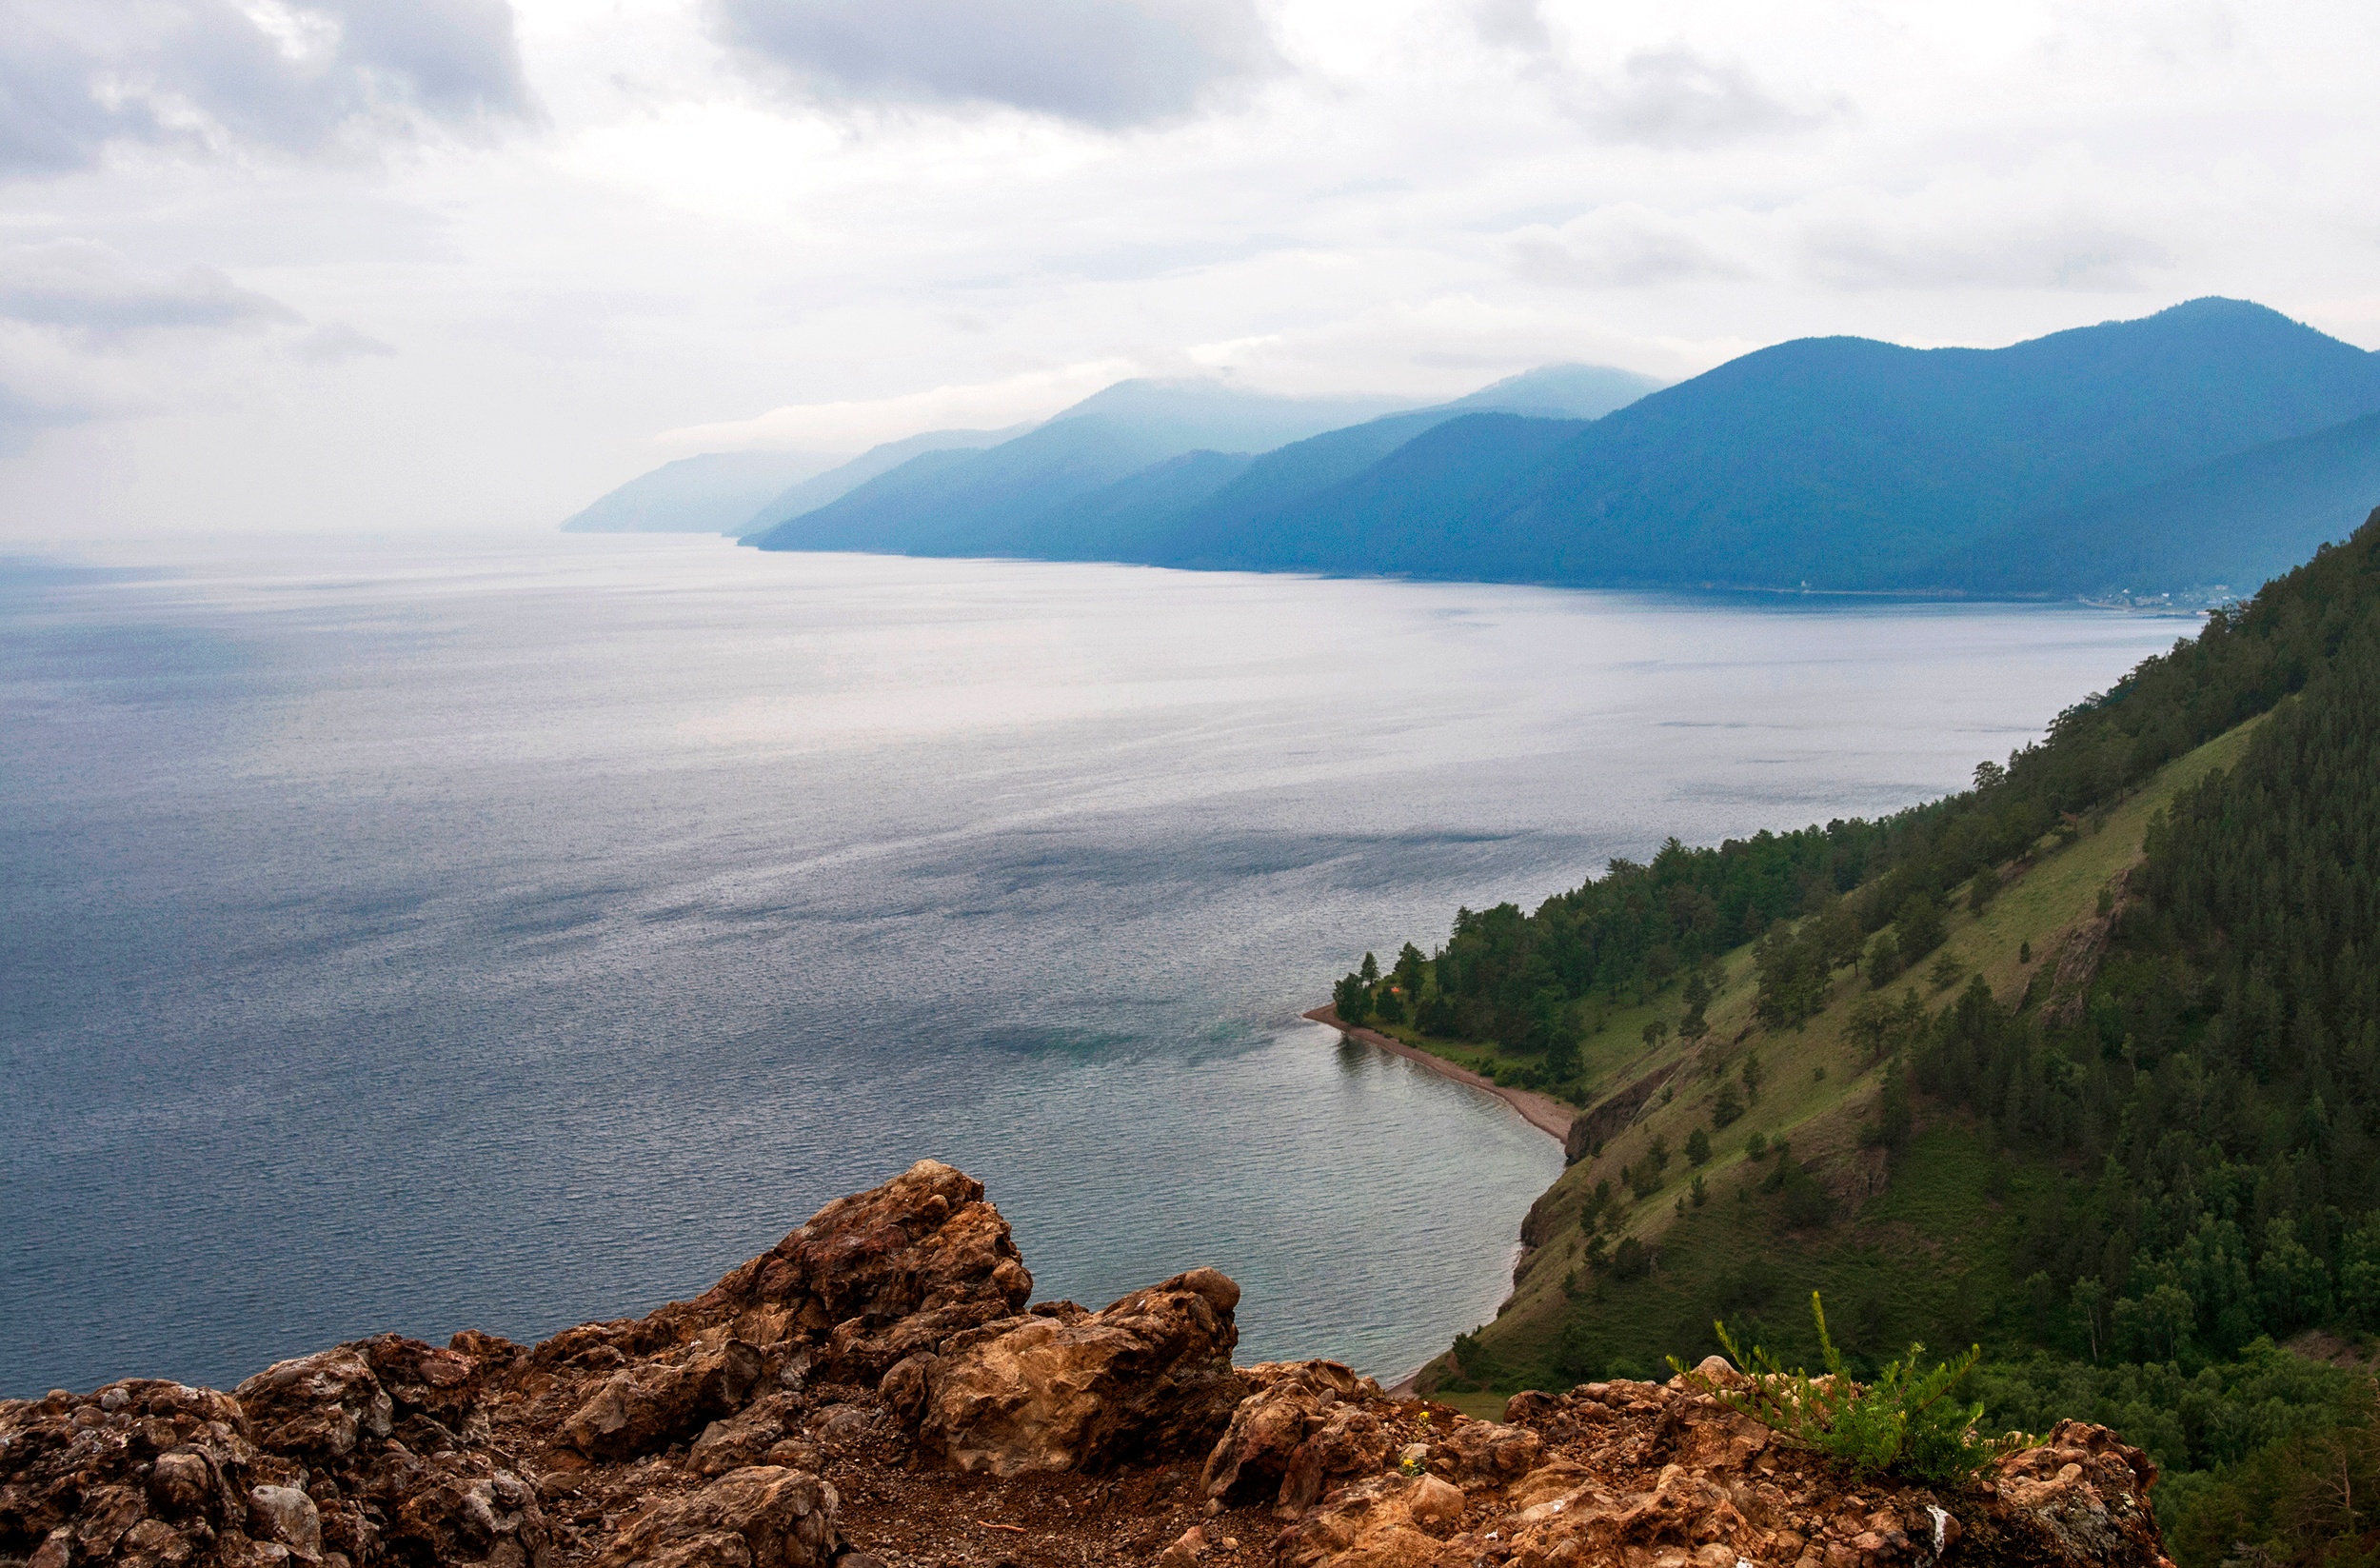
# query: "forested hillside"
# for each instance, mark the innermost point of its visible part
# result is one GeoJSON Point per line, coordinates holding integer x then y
{"type": "Point", "coordinates": [2083, 1063]}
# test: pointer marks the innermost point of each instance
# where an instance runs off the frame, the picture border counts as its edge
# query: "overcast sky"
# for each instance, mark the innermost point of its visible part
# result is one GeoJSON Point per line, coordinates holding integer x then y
{"type": "Point", "coordinates": [384, 264]}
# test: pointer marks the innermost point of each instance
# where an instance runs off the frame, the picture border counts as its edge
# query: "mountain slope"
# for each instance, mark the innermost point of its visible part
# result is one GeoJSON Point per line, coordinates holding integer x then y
{"type": "Point", "coordinates": [1417, 496]}
{"type": "Point", "coordinates": [1280, 495]}
{"type": "Point", "coordinates": [989, 505]}
{"type": "Point", "coordinates": [2233, 522]}
{"type": "Point", "coordinates": [2101, 1094]}
{"type": "Point", "coordinates": [1558, 391]}
{"type": "Point", "coordinates": [1842, 462]}
{"type": "Point", "coordinates": [712, 493]}
{"type": "Point", "coordinates": [833, 485]}
{"type": "Point", "coordinates": [1116, 522]}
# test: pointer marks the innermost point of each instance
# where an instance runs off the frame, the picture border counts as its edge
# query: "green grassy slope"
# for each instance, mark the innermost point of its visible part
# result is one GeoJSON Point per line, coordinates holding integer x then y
{"type": "Point", "coordinates": [1919, 1238]}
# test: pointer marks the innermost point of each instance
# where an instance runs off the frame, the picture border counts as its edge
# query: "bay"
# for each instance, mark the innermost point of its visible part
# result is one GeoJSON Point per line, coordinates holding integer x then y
{"type": "Point", "coordinates": [427, 935]}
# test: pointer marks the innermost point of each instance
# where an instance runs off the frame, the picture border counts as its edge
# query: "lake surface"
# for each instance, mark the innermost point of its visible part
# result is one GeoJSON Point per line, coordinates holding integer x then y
{"type": "Point", "coordinates": [513, 934]}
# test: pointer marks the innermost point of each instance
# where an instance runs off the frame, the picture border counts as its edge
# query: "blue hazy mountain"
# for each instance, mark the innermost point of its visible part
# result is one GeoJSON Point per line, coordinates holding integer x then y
{"type": "Point", "coordinates": [1124, 474]}
{"type": "Point", "coordinates": [2227, 525]}
{"type": "Point", "coordinates": [819, 489]}
{"type": "Point", "coordinates": [987, 503]}
{"type": "Point", "coordinates": [1824, 463]}
{"type": "Point", "coordinates": [712, 493]}
{"type": "Point", "coordinates": [1558, 391]}
{"type": "Point", "coordinates": [1836, 463]}
{"type": "Point", "coordinates": [1264, 501]}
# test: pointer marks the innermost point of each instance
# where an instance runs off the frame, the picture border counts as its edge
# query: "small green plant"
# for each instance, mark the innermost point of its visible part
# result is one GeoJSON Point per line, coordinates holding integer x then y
{"type": "Point", "coordinates": [1900, 1422]}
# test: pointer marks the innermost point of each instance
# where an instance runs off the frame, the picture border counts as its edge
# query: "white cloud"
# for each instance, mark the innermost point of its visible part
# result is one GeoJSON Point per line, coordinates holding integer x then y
{"type": "Point", "coordinates": [1677, 98]}
{"type": "Point", "coordinates": [93, 293]}
{"type": "Point", "coordinates": [1106, 63]}
{"type": "Point", "coordinates": [1627, 246]}
{"type": "Point", "coordinates": [295, 75]}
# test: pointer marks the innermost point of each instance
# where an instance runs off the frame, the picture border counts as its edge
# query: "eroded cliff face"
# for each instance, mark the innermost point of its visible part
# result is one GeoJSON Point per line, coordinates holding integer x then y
{"type": "Point", "coordinates": [874, 1392]}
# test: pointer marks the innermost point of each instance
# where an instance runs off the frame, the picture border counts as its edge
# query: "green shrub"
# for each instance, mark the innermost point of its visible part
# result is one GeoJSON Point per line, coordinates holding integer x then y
{"type": "Point", "coordinates": [1899, 1422]}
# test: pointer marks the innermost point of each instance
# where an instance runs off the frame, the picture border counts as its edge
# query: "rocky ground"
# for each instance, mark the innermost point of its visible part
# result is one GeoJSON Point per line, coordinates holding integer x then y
{"type": "Point", "coordinates": [876, 1391]}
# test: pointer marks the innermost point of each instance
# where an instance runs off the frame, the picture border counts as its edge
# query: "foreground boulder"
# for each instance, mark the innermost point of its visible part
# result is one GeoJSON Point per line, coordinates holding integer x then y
{"type": "Point", "coordinates": [759, 1517]}
{"type": "Point", "coordinates": [1148, 1379]}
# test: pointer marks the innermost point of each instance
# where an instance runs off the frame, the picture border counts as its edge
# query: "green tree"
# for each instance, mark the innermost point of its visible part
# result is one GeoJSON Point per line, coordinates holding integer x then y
{"type": "Point", "coordinates": [1884, 958]}
{"type": "Point", "coordinates": [1920, 925]}
{"type": "Point", "coordinates": [1698, 1148]}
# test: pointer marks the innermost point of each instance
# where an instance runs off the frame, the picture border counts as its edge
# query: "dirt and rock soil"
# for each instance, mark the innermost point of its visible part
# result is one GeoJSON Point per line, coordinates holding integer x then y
{"type": "Point", "coordinates": [876, 1392]}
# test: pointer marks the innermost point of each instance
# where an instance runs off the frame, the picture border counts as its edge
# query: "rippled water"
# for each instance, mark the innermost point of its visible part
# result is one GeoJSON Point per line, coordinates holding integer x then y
{"type": "Point", "coordinates": [508, 936]}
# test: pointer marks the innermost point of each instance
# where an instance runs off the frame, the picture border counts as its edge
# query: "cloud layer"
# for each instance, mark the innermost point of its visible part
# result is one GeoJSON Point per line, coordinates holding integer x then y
{"type": "Point", "coordinates": [606, 232]}
{"type": "Point", "coordinates": [76, 75]}
{"type": "Point", "coordinates": [1106, 63]}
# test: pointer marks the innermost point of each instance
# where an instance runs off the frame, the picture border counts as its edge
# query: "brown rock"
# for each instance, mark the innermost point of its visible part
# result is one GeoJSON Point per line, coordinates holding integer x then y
{"type": "Point", "coordinates": [1490, 1451]}
{"type": "Point", "coordinates": [2081, 1497]}
{"type": "Point", "coordinates": [316, 1406]}
{"type": "Point", "coordinates": [746, 1437]}
{"type": "Point", "coordinates": [462, 1517]}
{"type": "Point", "coordinates": [758, 1518]}
{"type": "Point", "coordinates": [654, 1403]}
{"type": "Point", "coordinates": [1383, 1521]}
{"type": "Point", "coordinates": [1185, 1550]}
{"type": "Point", "coordinates": [1307, 1423]}
{"type": "Point", "coordinates": [874, 1278]}
{"type": "Point", "coordinates": [286, 1514]}
{"type": "Point", "coordinates": [1148, 1379]}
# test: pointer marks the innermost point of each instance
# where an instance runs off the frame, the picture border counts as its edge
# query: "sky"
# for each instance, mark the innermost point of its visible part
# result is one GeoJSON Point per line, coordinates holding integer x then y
{"type": "Point", "coordinates": [391, 264]}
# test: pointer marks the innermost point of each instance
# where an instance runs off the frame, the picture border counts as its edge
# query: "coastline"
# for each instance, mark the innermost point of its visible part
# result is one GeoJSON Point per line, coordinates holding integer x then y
{"type": "Point", "coordinates": [1543, 1112]}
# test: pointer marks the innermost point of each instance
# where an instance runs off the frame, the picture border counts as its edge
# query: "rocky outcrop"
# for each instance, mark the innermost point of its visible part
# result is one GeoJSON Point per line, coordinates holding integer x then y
{"type": "Point", "coordinates": [763, 1425]}
{"type": "Point", "coordinates": [1147, 1379]}
{"type": "Point", "coordinates": [1304, 1426]}
{"type": "Point", "coordinates": [760, 1518]}
{"type": "Point", "coordinates": [1664, 1473]}
{"type": "Point", "coordinates": [872, 1278]}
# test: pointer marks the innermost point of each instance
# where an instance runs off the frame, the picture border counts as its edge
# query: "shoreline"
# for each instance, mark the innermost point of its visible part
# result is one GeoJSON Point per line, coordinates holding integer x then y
{"type": "Point", "coordinates": [1543, 1112]}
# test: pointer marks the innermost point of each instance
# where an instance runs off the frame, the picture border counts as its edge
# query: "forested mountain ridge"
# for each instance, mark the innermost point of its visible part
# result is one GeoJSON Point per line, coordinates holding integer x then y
{"type": "Point", "coordinates": [2095, 1043]}
{"type": "Point", "coordinates": [1848, 463]}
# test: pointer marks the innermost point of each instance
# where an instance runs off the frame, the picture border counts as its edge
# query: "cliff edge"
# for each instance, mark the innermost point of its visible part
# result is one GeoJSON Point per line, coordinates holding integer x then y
{"type": "Point", "coordinates": [876, 1391]}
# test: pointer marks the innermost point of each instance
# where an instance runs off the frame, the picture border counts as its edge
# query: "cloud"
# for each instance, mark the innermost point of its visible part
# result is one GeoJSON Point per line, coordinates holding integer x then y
{"type": "Point", "coordinates": [838, 427]}
{"type": "Point", "coordinates": [89, 290]}
{"type": "Point", "coordinates": [1106, 63]}
{"type": "Point", "coordinates": [338, 342]}
{"type": "Point", "coordinates": [1514, 24]}
{"type": "Point", "coordinates": [294, 75]}
{"type": "Point", "coordinates": [1621, 248]}
{"type": "Point", "coordinates": [1675, 98]}
{"type": "Point", "coordinates": [2077, 253]}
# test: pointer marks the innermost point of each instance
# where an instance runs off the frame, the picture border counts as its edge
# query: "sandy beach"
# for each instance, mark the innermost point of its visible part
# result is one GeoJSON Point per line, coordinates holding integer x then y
{"type": "Point", "coordinates": [1543, 1112]}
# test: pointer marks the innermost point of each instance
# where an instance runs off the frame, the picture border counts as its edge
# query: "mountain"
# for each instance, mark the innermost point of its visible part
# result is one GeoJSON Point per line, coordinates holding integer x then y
{"type": "Point", "coordinates": [2191, 447]}
{"type": "Point", "coordinates": [1558, 391]}
{"type": "Point", "coordinates": [713, 493]}
{"type": "Point", "coordinates": [1419, 495]}
{"type": "Point", "coordinates": [1085, 487]}
{"type": "Point", "coordinates": [1842, 462]}
{"type": "Point", "coordinates": [2217, 526]}
{"type": "Point", "coordinates": [819, 489]}
{"type": "Point", "coordinates": [989, 504]}
{"type": "Point", "coordinates": [1265, 500]}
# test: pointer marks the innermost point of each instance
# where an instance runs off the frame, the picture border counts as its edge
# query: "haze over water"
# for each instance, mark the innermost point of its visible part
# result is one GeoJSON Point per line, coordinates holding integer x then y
{"type": "Point", "coordinates": [414, 940]}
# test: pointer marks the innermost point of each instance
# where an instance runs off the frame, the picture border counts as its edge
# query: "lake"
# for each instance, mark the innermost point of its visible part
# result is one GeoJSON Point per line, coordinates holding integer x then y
{"type": "Point", "coordinates": [502, 935]}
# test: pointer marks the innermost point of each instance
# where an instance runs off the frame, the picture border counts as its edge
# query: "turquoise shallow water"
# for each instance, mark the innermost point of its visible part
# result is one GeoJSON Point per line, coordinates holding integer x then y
{"type": "Point", "coordinates": [512, 935]}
